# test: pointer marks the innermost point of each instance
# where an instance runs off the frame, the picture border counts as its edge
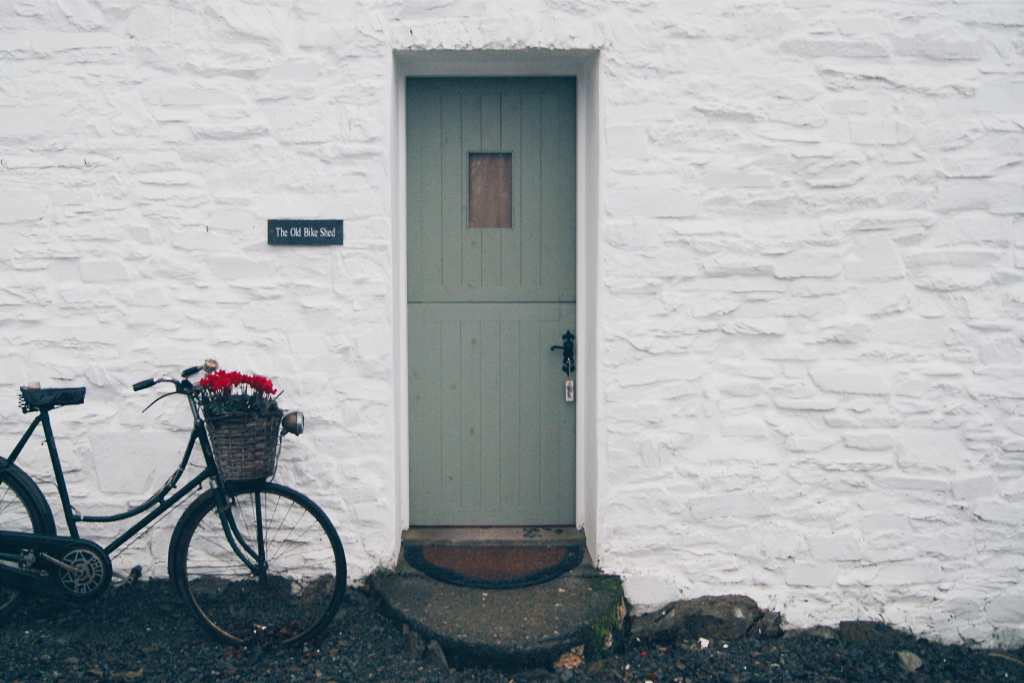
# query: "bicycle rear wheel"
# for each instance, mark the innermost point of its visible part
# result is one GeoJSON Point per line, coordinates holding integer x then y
{"type": "Point", "coordinates": [22, 508]}
{"type": "Point", "coordinates": [292, 582]}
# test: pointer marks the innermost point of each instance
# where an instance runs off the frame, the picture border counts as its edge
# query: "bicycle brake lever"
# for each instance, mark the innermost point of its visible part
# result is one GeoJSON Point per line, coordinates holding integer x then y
{"type": "Point", "coordinates": [162, 396]}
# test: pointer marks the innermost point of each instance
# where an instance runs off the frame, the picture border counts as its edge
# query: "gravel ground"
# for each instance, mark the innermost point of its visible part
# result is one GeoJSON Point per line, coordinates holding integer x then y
{"type": "Point", "coordinates": [141, 632]}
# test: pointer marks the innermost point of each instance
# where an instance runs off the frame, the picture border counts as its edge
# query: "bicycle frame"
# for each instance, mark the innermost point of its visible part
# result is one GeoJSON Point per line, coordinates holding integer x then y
{"type": "Point", "coordinates": [71, 516]}
{"type": "Point", "coordinates": [252, 558]}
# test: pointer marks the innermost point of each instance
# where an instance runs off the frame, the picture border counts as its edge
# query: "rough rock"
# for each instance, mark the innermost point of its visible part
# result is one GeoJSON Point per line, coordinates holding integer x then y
{"type": "Point", "coordinates": [871, 633]}
{"type": "Point", "coordinates": [414, 645]}
{"type": "Point", "coordinates": [909, 661]}
{"type": "Point", "coordinates": [435, 655]}
{"type": "Point", "coordinates": [814, 632]}
{"type": "Point", "coordinates": [769, 626]}
{"type": "Point", "coordinates": [716, 617]}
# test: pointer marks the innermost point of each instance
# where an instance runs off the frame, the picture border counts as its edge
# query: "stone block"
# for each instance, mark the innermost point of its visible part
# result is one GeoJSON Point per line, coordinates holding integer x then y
{"type": "Point", "coordinates": [811, 575]}
{"type": "Point", "coordinates": [128, 462]}
{"type": "Point", "coordinates": [997, 512]}
{"type": "Point", "coordinates": [657, 201]}
{"type": "Point", "coordinates": [880, 131]}
{"type": "Point", "coordinates": [102, 271]}
{"type": "Point", "coordinates": [23, 208]}
{"type": "Point", "coordinates": [811, 403]}
{"type": "Point", "coordinates": [946, 48]}
{"type": "Point", "coordinates": [807, 264]}
{"type": "Point", "coordinates": [835, 548]}
{"type": "Point", "coordinates": [812, 443]}
{"type": "Point", "coordinates": [869, 442]}
{"type": "Point", "coordinates": [19, 122]}
{"type": "Point", "coordinates": [311, 123]}
{"type": "Point", "coordinates": [974, 487]}
{"type": "Point", "coordinates": [756, 328]}
{"type": "Point", "coordinates": [49, 42]}
{"type": "Point", "coordinates": [647, 594]}
{"type": "Point", "coordinates": [873, 259]}
{"type": "Point", "coordinates": [723, 179]}
{"type": "Point", "coordinates": [848, 380]}
{"type": "Point", "coordinates": [742, 505]}
{"type": "Point", "coordinates": [835, 47]}
{"type": "Point", "coordinates": [908, 573]}
{"type": "Point", "coordinates": [717, 618]}
{"type": "Point", "coordinates": [627, 144]}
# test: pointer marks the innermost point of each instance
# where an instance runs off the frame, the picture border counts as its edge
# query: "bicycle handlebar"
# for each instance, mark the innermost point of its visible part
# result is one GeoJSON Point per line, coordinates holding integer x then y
{"type": "Point", "coordinates": [209, 366]}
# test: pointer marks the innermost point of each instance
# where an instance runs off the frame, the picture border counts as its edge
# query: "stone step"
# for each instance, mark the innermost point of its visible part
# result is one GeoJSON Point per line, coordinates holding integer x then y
{"type": "Point", "coordinates": [506, 629]}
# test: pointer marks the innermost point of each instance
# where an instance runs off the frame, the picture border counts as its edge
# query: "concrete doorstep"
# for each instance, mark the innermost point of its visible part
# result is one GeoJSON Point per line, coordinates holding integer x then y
{"type": "Point", "coordinates": [580, 613]}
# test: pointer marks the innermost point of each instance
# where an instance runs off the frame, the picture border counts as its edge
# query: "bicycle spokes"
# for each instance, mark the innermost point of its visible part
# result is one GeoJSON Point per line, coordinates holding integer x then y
{"type": "Point", "coordinates": [268, 568]}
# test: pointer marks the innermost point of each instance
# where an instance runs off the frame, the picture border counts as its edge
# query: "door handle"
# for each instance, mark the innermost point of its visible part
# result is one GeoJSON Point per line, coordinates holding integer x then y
{"type": "Point", "coordinates": [568, 347]}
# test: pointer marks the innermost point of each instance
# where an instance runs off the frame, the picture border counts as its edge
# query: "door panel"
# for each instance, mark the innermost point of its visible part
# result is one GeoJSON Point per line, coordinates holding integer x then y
{"type": "Point", "coordinates": [491, 438]}
{"type": "Point", "coordinates": [535, 121]}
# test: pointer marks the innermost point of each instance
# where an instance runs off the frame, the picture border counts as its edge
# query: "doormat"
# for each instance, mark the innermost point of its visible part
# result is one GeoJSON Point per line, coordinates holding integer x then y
{"type": "Point", "coordinates": [494, 566]}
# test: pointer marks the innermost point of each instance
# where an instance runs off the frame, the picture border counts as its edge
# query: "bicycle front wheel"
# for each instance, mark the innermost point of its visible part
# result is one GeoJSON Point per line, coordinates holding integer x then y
{"type": "Point", "coordinates": [22, 508]}
{"type": "Point", "coordinates": [269, 569]}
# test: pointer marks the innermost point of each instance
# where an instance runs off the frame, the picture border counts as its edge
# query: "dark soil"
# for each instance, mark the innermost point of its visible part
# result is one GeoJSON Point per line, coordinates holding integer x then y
{"type": "Point", "coordinates": [142, 632]}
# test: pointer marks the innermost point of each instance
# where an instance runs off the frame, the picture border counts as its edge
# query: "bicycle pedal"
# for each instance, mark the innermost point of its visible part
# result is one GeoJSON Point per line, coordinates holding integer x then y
{"type": "Point", "coordinates": [132, 577]}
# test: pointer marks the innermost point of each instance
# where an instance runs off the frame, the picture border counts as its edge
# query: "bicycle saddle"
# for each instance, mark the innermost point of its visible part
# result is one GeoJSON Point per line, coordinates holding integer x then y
{"type": "Point", "coordinates": [48, 399]}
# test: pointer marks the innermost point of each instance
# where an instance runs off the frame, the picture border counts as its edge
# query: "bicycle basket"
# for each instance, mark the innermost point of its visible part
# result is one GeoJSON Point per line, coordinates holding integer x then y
{"type": "Point", "coordinates": [245, 446]}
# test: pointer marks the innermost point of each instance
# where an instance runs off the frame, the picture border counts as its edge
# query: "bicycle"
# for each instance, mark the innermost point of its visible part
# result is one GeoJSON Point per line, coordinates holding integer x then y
{"type": "Point", "coordinates": [256, 563]}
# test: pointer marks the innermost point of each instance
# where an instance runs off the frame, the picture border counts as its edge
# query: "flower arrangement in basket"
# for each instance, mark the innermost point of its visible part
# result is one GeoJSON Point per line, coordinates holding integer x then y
{"type": "Point", "coordinates": [243, 421]}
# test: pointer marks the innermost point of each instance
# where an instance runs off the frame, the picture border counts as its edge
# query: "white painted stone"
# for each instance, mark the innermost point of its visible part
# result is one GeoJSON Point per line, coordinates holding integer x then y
{"type": "Point", "coordinates": [128, 462]}
{"type": "Point", "coordinates": [880, 131]}
{"type": "Point", "coordinates": [648, 594]}
{"type": "Point", "coordinates": [812, 443]}
{"type": "Point", "coordinates": [811, 575]}
{"type": "Point", "coordinates": [874, 259]}
{"type": "Point", "coordinates": [627, 144]}
{"type": "Point", "coordinates": [869, 442]}
{"type": "Point", "coordinates": [22, 209]}
{"type": "Point", "coordinates": [849, 380]}
{"type": "Point", "coordinates": [837, 548]}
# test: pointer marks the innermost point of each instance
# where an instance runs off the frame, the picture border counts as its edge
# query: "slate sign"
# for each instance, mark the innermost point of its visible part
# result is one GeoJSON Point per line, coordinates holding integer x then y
{"type": "Point", "coordinates": [313, 233]}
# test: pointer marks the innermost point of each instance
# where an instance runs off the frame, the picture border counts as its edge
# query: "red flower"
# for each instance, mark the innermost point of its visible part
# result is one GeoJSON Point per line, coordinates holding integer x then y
{"type": "Point", "coordinates": [223, 381]}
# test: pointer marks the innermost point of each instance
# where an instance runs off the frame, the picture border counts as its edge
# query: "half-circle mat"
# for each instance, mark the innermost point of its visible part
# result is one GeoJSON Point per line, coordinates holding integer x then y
{"type": "Point", "coordinates": [494, 566]}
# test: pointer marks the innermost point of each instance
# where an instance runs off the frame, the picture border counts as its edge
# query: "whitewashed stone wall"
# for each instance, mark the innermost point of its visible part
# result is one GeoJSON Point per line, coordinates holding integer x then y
{"type": "Point", "coordinates": [810, 298]}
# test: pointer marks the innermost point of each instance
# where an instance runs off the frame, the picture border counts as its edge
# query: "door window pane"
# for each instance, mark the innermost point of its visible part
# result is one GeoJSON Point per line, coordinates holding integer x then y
{"type": "Point", "coordinates": [490, 190]}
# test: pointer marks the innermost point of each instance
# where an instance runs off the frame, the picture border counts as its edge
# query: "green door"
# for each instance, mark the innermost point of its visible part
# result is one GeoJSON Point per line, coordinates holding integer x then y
{"type": "Point", "coordinates": [492, 286]}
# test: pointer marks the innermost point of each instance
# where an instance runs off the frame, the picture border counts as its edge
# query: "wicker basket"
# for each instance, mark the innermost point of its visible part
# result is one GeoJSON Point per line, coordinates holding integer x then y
{"type": "Point", "coordinates": [245, 446]}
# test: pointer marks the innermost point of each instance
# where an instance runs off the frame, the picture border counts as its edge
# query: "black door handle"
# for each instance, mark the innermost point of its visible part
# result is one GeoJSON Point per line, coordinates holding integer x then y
{"type": "Point", "coordinates": [568, 348]}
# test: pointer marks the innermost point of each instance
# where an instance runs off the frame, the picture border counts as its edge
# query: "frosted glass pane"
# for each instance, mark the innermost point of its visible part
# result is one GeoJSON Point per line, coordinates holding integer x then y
{"type": "Point", "coordinates": [490, 190]}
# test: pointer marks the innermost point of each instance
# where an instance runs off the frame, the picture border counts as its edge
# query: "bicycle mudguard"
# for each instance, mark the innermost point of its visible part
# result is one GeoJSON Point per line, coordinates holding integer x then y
{"type": "Point", "coordinates": [56, 566]}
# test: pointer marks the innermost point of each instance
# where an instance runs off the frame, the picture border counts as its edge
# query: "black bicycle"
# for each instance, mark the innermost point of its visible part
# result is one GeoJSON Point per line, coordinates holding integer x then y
{"type": "Point", "coordinates": [256, 562]}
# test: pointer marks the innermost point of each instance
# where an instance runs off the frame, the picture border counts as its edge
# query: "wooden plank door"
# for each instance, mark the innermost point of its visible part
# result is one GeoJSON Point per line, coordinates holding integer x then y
{"type": "Point", "coordinates": [492, 286]}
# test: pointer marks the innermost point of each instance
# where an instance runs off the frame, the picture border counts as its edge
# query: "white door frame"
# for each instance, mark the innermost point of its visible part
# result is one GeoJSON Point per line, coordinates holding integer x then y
{"type": "Point", "coordinates": [583, 64]}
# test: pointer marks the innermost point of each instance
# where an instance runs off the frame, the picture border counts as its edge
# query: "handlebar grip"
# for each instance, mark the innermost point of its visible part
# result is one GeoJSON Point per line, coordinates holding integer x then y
{"type": "Point", "coordinates": [191, 371]}
{"type": "Point", "coordinates": [144, 384]}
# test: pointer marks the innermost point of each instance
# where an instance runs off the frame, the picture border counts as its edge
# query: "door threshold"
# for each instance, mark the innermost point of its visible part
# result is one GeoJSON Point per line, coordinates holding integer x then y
{"type": "Point", "coordinates": [494, 535]}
